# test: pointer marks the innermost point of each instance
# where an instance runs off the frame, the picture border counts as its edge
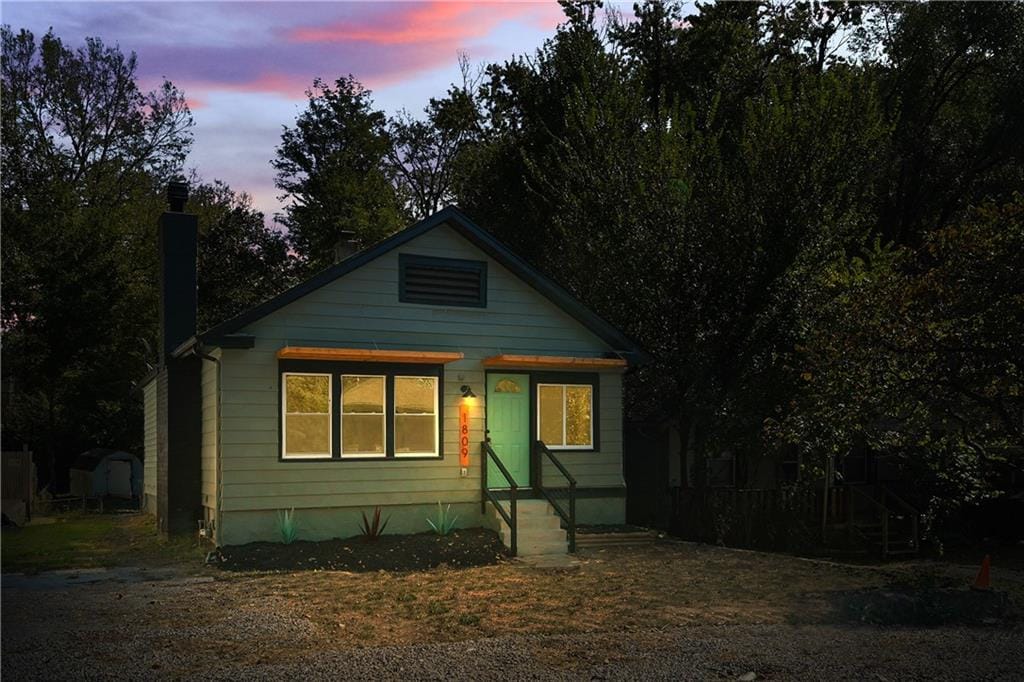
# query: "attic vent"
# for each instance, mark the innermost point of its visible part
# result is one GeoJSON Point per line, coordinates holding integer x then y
{"type": "Point", "coordinates": [442, 281]}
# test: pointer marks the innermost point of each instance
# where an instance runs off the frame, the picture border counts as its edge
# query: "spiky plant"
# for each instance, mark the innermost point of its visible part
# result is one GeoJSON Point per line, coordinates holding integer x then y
{"type": "Point", "coordinates": [286, 525]}
{"type": "Point", "coordinates": [445, 522]}
{"type": "Point", "coordinates": [372, 530]}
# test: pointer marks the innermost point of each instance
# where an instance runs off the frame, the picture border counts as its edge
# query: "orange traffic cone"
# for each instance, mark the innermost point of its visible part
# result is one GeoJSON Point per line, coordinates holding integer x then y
{"type": "Point", "coordinates": [982, 582]}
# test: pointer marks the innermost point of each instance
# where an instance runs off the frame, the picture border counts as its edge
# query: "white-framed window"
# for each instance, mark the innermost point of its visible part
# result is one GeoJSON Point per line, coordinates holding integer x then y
{"type": "Point", "coordinates": [415, 418]}
{"type": "Point", "coordinates": [565, 416]}
{"type": "Point", "coordinates": [363, 426]}
{"type": "Point", "coordinates": [306, 415]}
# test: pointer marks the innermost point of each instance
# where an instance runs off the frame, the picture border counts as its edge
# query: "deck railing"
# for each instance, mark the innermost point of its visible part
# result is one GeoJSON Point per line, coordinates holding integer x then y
{"type": "Point", "coordinates": [487, 495]}
{"type": "Point", "coordinates": [542, 452]}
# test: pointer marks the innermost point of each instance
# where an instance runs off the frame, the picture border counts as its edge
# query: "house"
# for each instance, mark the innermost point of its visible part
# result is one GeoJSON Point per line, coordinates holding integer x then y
{"type": "Point", "coordinates": [377, 382]}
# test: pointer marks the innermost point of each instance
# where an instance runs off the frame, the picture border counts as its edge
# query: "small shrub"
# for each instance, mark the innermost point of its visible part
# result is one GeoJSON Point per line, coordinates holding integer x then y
{"type": "Point", "coordinates": [444, 522]}
{"type": "Point", "coordinates": [286, 526]}
{"type": "Point", "coordinates": [372, 530]}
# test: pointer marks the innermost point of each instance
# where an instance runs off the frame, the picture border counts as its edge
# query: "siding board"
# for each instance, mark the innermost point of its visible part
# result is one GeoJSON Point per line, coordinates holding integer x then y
{"type": "Point", "coordinates": [149, 446]}
{"type": "Point", "coordinates": [362, 309]}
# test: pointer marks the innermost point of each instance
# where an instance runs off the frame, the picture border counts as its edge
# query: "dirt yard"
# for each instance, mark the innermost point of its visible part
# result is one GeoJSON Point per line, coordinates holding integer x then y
{"type": "Point", "coordinates": [672, 610]}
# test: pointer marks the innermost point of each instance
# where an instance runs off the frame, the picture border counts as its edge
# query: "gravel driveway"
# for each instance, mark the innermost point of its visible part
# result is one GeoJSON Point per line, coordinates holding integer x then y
{"type": "Point", "coordinates": [116, 626]}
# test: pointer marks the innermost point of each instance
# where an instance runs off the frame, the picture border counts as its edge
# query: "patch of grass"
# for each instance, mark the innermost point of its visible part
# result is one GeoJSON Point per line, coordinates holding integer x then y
{"type": "Point", "coordinates": [436, 608]}
{"type": "Point", "coordinates": [469, 619]}
{"type": "Point", "coordinates": [79, 540]}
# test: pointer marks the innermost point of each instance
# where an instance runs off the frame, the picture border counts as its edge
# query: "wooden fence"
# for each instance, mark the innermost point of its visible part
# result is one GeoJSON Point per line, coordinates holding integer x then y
{"type": "Point", "coordinates": [783, 518]}
{"type": "Point", "coordinates": [17, 484]}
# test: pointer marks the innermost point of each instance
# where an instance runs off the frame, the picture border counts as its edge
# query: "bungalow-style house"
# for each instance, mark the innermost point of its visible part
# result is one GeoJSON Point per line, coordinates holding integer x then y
{"type": "Point", "coordinates": [435, 366]}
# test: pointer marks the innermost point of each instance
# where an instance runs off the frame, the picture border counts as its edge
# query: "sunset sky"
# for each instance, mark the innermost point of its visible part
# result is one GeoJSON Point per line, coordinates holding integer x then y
{"type": "Point", "coordinates": [245, 65]}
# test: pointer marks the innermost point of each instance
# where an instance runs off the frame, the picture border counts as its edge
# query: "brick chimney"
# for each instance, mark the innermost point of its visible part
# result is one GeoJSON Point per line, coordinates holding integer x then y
{"type": "Point", "coordinates": [178, 388]}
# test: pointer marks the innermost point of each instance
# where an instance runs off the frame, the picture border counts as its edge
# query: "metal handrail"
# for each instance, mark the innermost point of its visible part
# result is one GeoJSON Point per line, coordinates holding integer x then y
{"type": "Point", "coordinates": [486, 494]}
{"type": "Point", "coordinates": [570, 516]}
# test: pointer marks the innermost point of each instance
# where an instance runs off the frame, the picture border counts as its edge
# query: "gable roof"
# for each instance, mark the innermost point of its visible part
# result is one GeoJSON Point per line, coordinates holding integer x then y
{"type": "Point", "coordinates": [454, 218]}
{"type": "Point", "coordinates": [90, 459]}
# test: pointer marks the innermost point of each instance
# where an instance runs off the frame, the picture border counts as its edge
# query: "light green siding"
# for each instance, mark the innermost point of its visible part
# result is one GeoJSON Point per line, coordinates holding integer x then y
{"type": "Point", "coordinates": [208, 459]}
{"type": "Point", "coordinates": [362, 310]}
{"type": "Point", "coordinates": [149, 447]}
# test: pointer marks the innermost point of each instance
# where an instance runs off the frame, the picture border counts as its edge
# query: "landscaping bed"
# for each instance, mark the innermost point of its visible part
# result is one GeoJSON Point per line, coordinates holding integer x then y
{"type": "Point", "coordinates": [460, 548]}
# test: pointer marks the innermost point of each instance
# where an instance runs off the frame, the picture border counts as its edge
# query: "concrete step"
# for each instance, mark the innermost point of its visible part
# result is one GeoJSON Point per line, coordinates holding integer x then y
{"type": "Point", "coordinates": [533, 535]}
{"type": "Point", "coordinates": [539, 528]}
{"type": "Point", "coordinates": [532, 548]}
{"type": "Point", "coordinates": [538, 521]}
{"type": "Point", "coordinates": [528, 506]}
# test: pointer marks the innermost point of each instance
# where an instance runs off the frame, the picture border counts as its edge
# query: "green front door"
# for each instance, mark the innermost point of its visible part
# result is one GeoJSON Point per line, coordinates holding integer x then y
{"type": "Point", "coordinates": [508, 426]}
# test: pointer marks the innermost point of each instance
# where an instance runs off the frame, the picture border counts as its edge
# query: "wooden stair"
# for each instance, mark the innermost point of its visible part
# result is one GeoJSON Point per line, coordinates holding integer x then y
{"type": "Point", "coordinates": [606, 540]}
{"type": "Point", "coordinates": [876, 520]}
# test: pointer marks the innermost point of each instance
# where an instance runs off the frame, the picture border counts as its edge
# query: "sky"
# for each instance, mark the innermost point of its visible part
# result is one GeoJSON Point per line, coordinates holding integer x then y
{"type": "Point", "coordinates": [244, 66]}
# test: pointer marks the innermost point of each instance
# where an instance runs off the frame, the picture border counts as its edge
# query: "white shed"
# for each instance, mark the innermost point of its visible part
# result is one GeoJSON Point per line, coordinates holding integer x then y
{"type": "Point", "coordinates": [103, 472]}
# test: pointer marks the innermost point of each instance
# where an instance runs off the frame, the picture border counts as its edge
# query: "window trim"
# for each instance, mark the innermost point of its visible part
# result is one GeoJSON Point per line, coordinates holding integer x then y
{"type": "Point", "coordinates": [437, 425]}
{"type": "Point", "coordinates": [341, 416]}
{"type": "Point", "coordinates": [477, 266]}
{"type": "Point", "coordinates": [389, 371]}
{"type": "Point", "coordinates": [589, 445]}
{"type": "Point", "coordinates": [591, 379]}
{"type": "Point", "coordinates": [284, 417]}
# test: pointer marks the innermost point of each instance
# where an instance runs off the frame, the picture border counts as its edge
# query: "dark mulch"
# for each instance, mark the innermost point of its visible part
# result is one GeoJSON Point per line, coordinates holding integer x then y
{"type": "Point", "coordinates": [461, 548]}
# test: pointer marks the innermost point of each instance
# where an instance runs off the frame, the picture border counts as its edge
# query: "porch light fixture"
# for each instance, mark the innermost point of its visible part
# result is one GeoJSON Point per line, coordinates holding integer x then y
{"type": "Point", "coordinates": [467, 392]}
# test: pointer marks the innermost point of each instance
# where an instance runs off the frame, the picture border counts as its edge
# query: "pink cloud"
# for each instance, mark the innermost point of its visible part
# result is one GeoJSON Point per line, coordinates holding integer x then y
{"type": "Point", "coordinates": [431, 22]}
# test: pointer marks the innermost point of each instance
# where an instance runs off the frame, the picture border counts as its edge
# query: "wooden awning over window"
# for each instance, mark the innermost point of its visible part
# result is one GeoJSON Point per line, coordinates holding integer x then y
{"type": "Point", "coordinates": [367, 355]}
{"type": "Point", "coordinates": [506, 361]}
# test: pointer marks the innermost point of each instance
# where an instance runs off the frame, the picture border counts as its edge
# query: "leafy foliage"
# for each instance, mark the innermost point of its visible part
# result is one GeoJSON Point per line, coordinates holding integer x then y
{"type": "Point", "coordinates": [331, 168]}
{"type": "Point", "coordinates": [917, 352]}
{"type": "Point", "coordinates": [83, 150]}
{"type": "Point", "coordinates": [694, 181]}
{"type": "Point", "coordinates": [242, 262]}
{"type": "Point", "coordinates": [444, 522]}
{"type": "Point", "coordinates": [805, 212]}
{"type": "Point", "coordinates": [86, 157]}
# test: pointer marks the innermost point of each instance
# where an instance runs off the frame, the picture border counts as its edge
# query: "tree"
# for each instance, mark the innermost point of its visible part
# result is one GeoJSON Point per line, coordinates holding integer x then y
{"type": "Point", "coordinates": [242, 262]}
{"type": "Point", "coordinates": [332, 169]}
{"type": "Point", "coordinates": [83, 151]}
{"type": "Point", "coordinates": [86, 158]}
{"type": "Point", "coordinates": [918, 353]}
{"type": "Point", "coordinates": [952, 83]}
{"type": "Point", "coordinates": [424, 153]}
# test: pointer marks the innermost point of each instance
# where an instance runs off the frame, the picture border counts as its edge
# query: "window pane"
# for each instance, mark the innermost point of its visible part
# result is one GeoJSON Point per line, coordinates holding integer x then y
{"type": "Point", "coordinates": [578, 406]}
{"type": "Point", "coordinates": [307, 434]}
{"type": "Point", "coordinates": [415, 433]}
{"type": "Point", "coordinates": [550, 398]}
{"type": "Point", "coordinates": [362, 395]}
{"type": "Point", "coordinates": [414, 395]}
{"type": "Point", "coordinates": [308, 394]}
{"type": "Point", "coordinates": [362, 434]}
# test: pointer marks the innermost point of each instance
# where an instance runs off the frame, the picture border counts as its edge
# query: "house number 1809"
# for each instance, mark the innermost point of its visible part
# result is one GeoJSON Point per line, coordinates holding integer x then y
{"type": "Point", "coordinates": [463, 435]}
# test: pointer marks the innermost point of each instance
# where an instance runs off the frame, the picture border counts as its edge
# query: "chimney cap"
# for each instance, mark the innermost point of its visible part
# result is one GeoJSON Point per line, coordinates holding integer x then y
{"type": "Point", "coordinates": [177, 194]}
